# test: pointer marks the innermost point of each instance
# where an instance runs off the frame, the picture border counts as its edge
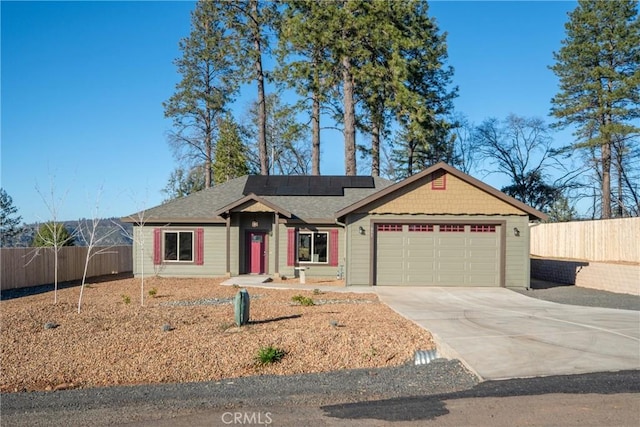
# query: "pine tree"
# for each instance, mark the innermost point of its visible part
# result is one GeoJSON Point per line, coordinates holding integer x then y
{"type": "Point", "coordinates": [599, 70]}
{"type": "Point", "coordinates": [231, 161]}
{"type": "Point", "coordinates": [9, 224]}
{"type": "Point", "coordinates": [404, 75]}
{"type": "Point", "coordinates": [248, 24]}
{"type": "Point", "coordinates": [52, 235]}
{"type": "Point", "coordinates": [303, 55]}
{"type": "Point", "coordinates": [205, 90]}
{"type": "Point", "coordinates": [184, 181]}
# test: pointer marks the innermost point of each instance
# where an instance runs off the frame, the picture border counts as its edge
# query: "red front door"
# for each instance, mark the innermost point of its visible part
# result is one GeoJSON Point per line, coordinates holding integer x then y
{"type": "Point", "coordinates": [257, 254]}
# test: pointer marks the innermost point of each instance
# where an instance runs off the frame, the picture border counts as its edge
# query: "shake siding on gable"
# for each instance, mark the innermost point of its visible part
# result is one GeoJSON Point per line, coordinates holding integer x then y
{"type": "Point", "coordinates": [458, 198]}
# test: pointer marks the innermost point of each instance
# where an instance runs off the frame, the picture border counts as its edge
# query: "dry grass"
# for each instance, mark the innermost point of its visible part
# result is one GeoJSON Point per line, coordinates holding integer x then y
{"type": "Point", "coordinates": [111, 342]}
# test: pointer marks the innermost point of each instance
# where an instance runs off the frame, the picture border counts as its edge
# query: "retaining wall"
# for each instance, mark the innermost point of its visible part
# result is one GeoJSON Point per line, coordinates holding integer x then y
{"type": "Point", "coordinates": [619, 278]}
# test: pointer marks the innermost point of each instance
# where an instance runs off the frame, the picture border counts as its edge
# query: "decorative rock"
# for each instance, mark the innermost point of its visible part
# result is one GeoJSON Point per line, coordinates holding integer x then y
{"type": "Point", "coordinates": [167, 328]}
{"type": "Point", "coordinates": [51, 325]}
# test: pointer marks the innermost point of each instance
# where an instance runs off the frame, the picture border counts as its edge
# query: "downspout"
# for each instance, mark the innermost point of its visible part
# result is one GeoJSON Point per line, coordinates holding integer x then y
{"type": "Point", "coordinates": [276, 232]}
{"type": "Point", "coordinates": [228, 224]}
{"type": "Point", "coordinates": [343, 267]}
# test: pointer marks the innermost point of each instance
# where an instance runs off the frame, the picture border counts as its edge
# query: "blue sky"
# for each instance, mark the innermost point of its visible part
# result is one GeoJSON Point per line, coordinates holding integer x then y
{"type": "Point", "coordinates": [83, 85]}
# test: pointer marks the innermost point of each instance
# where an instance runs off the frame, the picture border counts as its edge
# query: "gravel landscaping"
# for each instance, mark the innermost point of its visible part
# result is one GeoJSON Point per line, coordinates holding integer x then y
{"type": "Point", "coordinates": [185, 333]}
{"type": "Point", "coordinates": [575, 295]}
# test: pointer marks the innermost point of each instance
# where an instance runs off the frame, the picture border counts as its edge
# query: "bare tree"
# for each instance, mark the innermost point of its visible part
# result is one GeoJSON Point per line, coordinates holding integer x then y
{"type": "Point", "coordinates": [137, 236]}
{"type": "Point", "coordinates": [87, 232]}
{"type": "Point", "coordinates": [52, 235]}
{"type": "Point", "coordinates": [464, 154]}
{"type": "Point", "coordinates": [520, 148]}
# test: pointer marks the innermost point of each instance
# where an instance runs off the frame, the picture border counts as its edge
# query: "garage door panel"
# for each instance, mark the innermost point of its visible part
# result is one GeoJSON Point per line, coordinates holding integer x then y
{"type": "Point", "coordinates": [451, 241]}
{"type": "Point", "coordinates": [480, 255]}
{"type": "Point", "coordinates": [422, 256]}
{"type": "Point", "coordinates": [451, 253]}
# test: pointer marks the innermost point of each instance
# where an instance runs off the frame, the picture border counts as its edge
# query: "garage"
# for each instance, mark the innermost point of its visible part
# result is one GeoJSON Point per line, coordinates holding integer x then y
{"type": "Point", "coordinates": [445, 254]}
{"type": "Point", "coordinates": [440, 227]}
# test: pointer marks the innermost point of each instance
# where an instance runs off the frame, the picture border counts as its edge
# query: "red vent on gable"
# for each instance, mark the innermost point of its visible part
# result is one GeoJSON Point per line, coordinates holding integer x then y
{"type": "Point", "coordinates": [438, 180]}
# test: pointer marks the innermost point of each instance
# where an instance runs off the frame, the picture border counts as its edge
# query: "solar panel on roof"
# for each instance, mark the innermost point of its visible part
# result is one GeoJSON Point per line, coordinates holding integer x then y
{"type": "Point", "coordinates": [302, 185]}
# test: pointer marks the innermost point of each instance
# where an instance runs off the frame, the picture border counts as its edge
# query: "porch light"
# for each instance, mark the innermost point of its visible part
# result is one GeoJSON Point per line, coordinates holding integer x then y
{"type": "Point", "coordinates": [361, 230]}
{"type": "Point", "coordinates": [516, 232]}
{"type": "Point", "coordinates": [254, 223]}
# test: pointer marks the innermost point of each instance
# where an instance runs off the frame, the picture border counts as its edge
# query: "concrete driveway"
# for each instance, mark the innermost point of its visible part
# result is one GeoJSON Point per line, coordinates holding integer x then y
{"type": "Point", "coordinates": [501, 334]}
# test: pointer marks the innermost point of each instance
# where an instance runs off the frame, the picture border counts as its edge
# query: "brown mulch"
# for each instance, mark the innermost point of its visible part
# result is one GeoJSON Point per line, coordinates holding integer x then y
{"type": "Point", "coordinates": [113, 341]}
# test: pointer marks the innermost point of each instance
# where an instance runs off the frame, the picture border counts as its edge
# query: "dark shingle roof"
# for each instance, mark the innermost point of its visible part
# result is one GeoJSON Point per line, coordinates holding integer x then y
{"type": "Point", "coordinates": [299, 185]}
{"type": "Point", "coordinates": [200, 206]}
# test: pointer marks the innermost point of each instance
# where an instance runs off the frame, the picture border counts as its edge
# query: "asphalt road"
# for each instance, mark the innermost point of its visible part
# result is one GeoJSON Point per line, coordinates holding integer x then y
{"type": "Point", "coordinates": [441, 393]}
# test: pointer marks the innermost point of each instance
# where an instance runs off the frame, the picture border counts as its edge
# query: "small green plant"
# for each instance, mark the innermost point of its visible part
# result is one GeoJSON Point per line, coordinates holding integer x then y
{"type": "Point", "coordinates": [236, 286]}
{"type": "Point", "coordinates": [316, 291]}
{"type": "Point", "coordinates": [302, 300]}
{"type": "Point", "coordinates": [371, 353]}
{"type": "Point", "coordinates": [153, 292]}
{"type": "Point", "coordinates": [269, 355]}
{"type": "Point", "coordinates": [126, 299]}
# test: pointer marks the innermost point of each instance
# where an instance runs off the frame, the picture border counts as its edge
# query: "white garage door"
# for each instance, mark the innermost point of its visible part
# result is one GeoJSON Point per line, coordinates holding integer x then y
{"type": "Point", "coordinates": [438, 255]}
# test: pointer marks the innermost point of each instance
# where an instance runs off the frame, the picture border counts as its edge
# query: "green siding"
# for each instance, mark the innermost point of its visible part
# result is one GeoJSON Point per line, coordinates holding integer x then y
{"type": "Point", "coordinates": [359, 246]}
{"type": "Point", "coordinates": [517, 253]}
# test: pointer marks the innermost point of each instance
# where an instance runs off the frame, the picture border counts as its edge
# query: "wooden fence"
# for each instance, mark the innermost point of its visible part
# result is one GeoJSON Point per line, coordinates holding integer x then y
{"type": "Point", "coordinates": [23, 267]}
{"type": "Point", "coordinates": [616, 240]}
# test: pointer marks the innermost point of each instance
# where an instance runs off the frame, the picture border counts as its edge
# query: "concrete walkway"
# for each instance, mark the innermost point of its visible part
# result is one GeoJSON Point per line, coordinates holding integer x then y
{"type": "Point", "coordinates": [501, 334]}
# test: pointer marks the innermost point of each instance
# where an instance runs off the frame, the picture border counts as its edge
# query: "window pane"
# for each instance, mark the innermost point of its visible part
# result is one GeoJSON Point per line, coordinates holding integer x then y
{"type": "Point", "coordinates": [320, 247]}
{"type": "Point", "coordinates": [171, 246]}
{"type": "Point", "coordinates": [304, 247]}
{"type": "Point", "coordinates": [186, 246]}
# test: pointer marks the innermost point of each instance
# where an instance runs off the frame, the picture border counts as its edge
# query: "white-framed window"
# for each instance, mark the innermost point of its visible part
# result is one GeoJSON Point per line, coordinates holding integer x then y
{"type": "Point", "coordinates": [313, 246]}
{"type": "Point", "coordinates": [178, 246]}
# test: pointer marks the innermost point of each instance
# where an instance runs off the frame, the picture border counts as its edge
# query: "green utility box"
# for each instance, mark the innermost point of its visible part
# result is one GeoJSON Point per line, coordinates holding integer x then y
{"type": "Point", "coordinates": [241, 305]}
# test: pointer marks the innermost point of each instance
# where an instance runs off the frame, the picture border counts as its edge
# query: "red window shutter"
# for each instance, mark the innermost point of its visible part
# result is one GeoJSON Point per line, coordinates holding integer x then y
{"type": "Point", "coordinates": [333, 247]}
{"type": "Point", "coordinates": [291, 246]}
{"type": "Point", "coordinates": [199, 246]}
{"type": "Point", "coordinates": [157, 246]}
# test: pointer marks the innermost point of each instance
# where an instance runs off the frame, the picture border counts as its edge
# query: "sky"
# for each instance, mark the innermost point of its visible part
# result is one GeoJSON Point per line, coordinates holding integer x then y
{"type": "Point", "coordinates": [82, 85]}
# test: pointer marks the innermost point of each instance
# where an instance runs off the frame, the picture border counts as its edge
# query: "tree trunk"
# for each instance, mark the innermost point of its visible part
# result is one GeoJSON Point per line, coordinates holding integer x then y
{"type": "Point", "coordinates": [375, 148]}
{"type": "Point", "coordinates": [262, 107]}
{"type": "Point", "coordinates": [208, 160]}
{"type": "Point", "coordinates": [315, 135]}
{"type": "Point", "coordinates": [605, 153]}
{"type": "Point", "coordinates": [349, 118]}
{"type": "Point", "coordinates": [606, 181]}
{"type": "Point", "coordinates": [410, 160]}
